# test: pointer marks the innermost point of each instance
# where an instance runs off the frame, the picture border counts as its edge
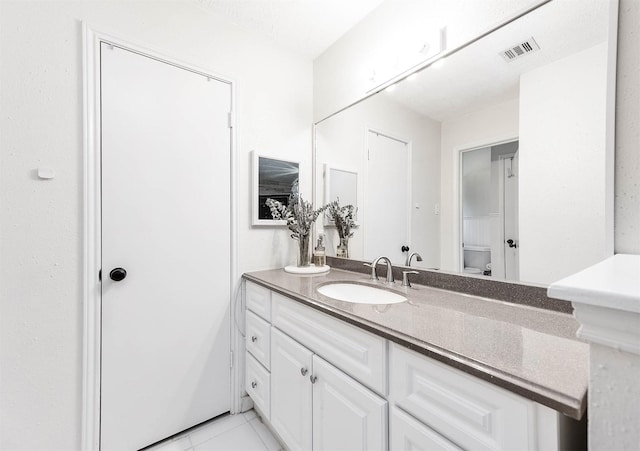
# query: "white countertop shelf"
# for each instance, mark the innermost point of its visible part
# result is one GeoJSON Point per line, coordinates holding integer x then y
{"type": "Point", "coordinates": [613, 283]}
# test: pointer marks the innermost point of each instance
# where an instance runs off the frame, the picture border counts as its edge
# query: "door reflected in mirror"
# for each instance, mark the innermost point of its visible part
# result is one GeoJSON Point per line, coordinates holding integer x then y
{"type": "Point", "coordinates": [552, 196]}
{"type": "Point", "coordinates": [489, 202]}
{"type": "Point", "coordinates": [342, 186]}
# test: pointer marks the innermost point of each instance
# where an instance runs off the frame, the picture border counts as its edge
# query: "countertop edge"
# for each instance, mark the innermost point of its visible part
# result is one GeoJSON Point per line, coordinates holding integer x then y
{"type": "Point", "coordinates": [569, 406]}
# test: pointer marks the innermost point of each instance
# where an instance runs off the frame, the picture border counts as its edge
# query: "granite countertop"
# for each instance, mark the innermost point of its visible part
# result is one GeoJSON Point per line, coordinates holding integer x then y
{"type": "Point", "coordinates": [529, 351]}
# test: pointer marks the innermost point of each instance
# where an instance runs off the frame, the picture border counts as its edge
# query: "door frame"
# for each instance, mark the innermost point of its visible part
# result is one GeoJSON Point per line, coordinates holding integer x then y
{"type": "Point", "coordinates": [365, 181]}
{"type": "Point", "coordinates": [92, 251]}
{"type": "Point", "coordinates": [502, 210]}
{"type": "Point", "coordinates": [458, 251]}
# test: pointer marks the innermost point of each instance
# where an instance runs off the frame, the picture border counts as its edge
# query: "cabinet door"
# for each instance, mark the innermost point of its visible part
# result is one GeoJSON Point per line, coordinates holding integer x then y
{"type": "Point", "coordinates": [346, 415]}
{"type": "Point", "coordinates": [408, 434]}
{"type": "Point", "coordinates": [291, 391]}
{"type": "Point", "coordinates": [473, 413]}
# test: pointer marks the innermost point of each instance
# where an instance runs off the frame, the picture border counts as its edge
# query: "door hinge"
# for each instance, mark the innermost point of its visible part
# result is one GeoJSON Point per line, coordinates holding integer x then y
{"type": "Point", "coordinates": [230, 359]}
{"type": "Point", "coordinates": [230, 121]}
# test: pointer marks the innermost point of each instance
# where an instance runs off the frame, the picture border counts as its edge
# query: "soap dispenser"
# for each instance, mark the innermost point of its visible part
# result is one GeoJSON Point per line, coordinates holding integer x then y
{"type": "Point", "coordinates": [319, 255]}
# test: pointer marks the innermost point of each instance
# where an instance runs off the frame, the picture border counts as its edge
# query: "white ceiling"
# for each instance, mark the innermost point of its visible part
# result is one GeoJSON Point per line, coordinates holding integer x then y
{"type": "Point", "coordinates": [477, 76]}
{"type": "Point", "coordinates": [470, 79]}
{"type": "Point", "coordinates": [307, 27]}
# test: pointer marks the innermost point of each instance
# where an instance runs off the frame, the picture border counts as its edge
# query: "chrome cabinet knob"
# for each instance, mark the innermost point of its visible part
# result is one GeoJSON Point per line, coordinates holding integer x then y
{"type": "Point", "coordinates": [254, 338]}
{"type": "Point", "coordinates": [254, 384]}
{"type": "Point", "coordinates": [313, 379]}
{"type": "Point", "coordinates": [304, 371]}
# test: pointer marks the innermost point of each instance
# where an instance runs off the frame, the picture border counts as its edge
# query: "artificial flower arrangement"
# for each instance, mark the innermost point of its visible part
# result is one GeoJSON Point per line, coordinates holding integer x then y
{"type": "Point", "coordinates": [344, 220]}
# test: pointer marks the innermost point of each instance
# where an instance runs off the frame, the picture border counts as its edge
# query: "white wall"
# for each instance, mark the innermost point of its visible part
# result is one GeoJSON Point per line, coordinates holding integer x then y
{"type": "Point", "coordinates": [627, 159]}
{"type": "Point", "coordinates": [614, 398]}
{"type": "Point", "coordinates": [494, 124]}
{"type": "Point", "coordinates": [341, 142]}
{"type": "Point", "coordinates": [41, 221]}
{"type": "Point", "coordinates": [562, 177]}
{"type": "Point", "coordinates": [391, 36]}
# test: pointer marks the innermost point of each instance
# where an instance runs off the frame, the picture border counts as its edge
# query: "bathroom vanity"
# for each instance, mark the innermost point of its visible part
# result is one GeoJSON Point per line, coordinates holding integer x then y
{"type": "Point", "coordinates": [442, 370]}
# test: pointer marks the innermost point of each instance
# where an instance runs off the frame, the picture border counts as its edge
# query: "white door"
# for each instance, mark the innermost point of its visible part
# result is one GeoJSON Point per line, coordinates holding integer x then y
{"type": "Point", "coordinates": [346, 415]}
{"type": "Point", "coordinates": [387, 198]}
{"type": "Point", "coordinates": [165, 220]}
{"type": "Point", "coordinates": [512, 241]}
{"type": "Point", "coordinates": [291, 391]}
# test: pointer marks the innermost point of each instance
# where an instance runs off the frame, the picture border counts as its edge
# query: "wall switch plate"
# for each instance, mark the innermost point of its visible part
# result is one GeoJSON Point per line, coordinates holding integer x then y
{"type": "Point", "coordinates": [46, 174]}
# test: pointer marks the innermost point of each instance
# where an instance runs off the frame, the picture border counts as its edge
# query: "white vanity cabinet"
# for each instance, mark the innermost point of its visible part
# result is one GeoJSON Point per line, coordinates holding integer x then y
{"type": "Point", "coordinates": [310, 402]}
{"type": "Point", "coordinates": [325, 384]}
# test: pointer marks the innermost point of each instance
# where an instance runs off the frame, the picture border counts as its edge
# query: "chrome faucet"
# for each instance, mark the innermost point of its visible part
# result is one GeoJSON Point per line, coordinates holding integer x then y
{"type": "Point", "coordinates": [374, 264]}
{"type": "Point", "coordinates": [411, 255]}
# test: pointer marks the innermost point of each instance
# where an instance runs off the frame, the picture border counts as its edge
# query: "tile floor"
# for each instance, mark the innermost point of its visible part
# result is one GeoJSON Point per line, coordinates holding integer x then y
{"type": "Point", "coordinates": [241, 432]}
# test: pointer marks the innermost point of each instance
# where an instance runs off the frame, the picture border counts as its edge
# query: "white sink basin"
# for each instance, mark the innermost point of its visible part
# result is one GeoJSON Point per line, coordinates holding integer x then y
{"type": "Point", "coordinates": [359, 294]}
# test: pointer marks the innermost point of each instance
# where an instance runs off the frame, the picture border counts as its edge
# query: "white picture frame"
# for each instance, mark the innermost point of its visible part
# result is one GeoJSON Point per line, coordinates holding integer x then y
{"type": "Point", "coordinates": [340, 184]}
{"type": "Point", "coordinates": [272, 178]}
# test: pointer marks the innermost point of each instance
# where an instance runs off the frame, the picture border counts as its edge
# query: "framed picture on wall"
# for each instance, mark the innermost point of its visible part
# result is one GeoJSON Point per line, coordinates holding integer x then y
{"type": "Point", "coordinates": [272, 178]}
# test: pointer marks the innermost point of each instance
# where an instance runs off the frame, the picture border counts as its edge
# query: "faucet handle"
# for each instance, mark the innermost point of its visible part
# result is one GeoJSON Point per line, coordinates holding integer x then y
{"type": "Point", "coordinates": [405, 278]}
{"type": "Point", "coordinates": [374, 275]}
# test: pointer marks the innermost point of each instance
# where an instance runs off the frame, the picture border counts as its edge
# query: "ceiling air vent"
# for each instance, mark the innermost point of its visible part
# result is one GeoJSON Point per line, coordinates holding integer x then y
{"type": "Point", "coordinates": [519, 50]}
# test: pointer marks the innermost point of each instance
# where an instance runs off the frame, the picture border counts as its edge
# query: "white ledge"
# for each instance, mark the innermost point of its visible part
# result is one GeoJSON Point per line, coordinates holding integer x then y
{"type": "Point", "coordinates": [606, 301]}
{"type": "Point", "coordinates": [613, 283]}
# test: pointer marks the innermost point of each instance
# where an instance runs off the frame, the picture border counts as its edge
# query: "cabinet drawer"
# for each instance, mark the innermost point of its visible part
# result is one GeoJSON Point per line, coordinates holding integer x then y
{"type": "Point", "coordinates": [258, 339]}
{"type": "Point", "coordinates": [466, 410]}
{"type": "Point", "coordinates": [258, 300]}
{"type": "Point", "coordinates": [358, 353]}
{"type": "Point", "coordinates": [408, 434]}
{"type": "Point", "coordinates": [258, 385]}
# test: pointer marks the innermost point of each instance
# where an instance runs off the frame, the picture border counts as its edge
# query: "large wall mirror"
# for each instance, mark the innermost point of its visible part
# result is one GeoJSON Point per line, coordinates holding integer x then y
{"type": "Point", "coordinates": [495, 161]}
